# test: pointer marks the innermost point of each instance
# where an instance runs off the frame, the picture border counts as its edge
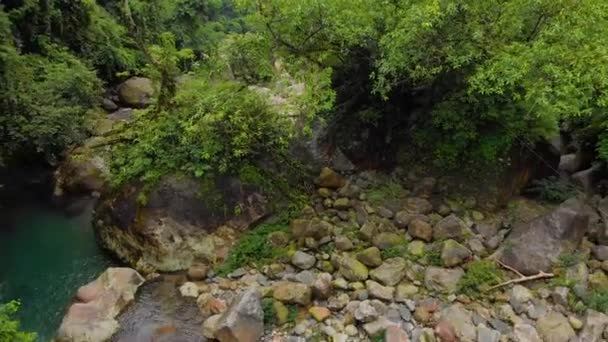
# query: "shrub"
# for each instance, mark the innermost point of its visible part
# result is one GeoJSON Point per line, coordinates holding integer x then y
{"type": "Point", "coordinates": [9, 327]}
{"type": "Point", "coordinates": [479, 277]}
{"type": "Point", "coordinates": [598, 300]}
{"type": "Point", "coordinates": [553, 189]}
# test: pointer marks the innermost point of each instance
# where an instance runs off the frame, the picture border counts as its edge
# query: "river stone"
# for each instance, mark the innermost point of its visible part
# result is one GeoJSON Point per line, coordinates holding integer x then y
{"type": "Point", "coordinates": [600, 252]}
{"type": "Point", "coordinates": [554, 327]}
{"type": "Point", "coordinates": [595, 323]}
{"type": "Point", "coordinates": [244, 320]}
{"type": "Point", "coordinates": [525, 332]}
{"type": "Point", "coordinates": [394, 333]}
{"type": "Point", "coordinates": [328, 178]}
{"type": "Point", "coordinates": [598, 280]}
{"type": "Point", "coordinates": [343, 243]}
{"type": "Point", "coordinates": [417, 205]}
{"type": "Point", "coordinates": [378, 326]}
{"type": "Point", "coordinates": [462, 321]}
{"type": "Point", "coordinates": [380, 292]}
{"type": "Point", "coordinates": [210, 326]}
{"type": "Point", "coordinates": [352, 269]}
{"type": "Point", "coordinates": [189, 289]}
{"type": "Point", "coordinates": [390, 272]}
{"type": "Point", "coordinates": [387, 240]}
{"type": "Point", "coordinates": [136, 92]}
{"type": "Point", "coordinates": [451, 227]}
{"type": "Point", "coordinates": [519, 298]}
{"type": "Point", "coordinates": [370, 257]}
{"type": "Point", "coordinates": [485, 334]}
{"type": "Point", "coordinates": [290, 292]}
{"type": "Point", "coordinates": [315, 228]}
{"type": "Point", "coordinates": [442, 279]}
{"type": "Point", "coordinates": [94, 320]}
{"type": "Point", "coordinates": [404, 218]}
{"type": "Point", "coordinates": [420, 230]}
{"type": "Point", "coordinates": [536, 246]}
{"type": "Point", "coordinates": [365, 312]}
{"type": "Point", "coordinates": [321, 287]}
{"type": "Point", "coordinates": [453, 253]}
{"type": "Point", "coordinates": [197, 272]}
{"type": "Point", "coordinates": [303, 260]}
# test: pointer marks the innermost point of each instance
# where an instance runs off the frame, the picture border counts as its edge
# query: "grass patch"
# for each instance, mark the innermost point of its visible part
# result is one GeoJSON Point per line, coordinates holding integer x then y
{"type": "Point", "coordinates": [598, 300]}
{"type": "Point", "coordinates": [553, 189]}
{"type": "Point", "coordinates": [254, 249]}
{"type": "Point", "coordinates": [385, 191]}
{"type": "Point", "coordinates": [432, 256]}
{"type": "Point", "coordinates": [479, 277]}
{"type": "Point", "coordinates": [570, 259]}
{"type": "Point", "coordinates": [399, 250]}
{"type": "Point", "coordinates": [270, 314]}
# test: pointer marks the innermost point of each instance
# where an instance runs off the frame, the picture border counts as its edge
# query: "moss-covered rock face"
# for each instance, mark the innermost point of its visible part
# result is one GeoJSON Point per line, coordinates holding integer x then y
{"type": "Point", "coordinates": [136, 92]}
{"type": "Point", "coordinates": [180, 222]}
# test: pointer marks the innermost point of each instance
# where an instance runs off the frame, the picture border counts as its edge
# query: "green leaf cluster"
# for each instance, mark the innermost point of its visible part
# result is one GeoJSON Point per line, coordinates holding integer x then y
{"type": "Point", "coordinates": [9, 327]}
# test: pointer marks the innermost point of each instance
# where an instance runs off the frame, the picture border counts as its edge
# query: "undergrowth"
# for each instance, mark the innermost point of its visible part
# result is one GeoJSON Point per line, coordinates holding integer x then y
{"type": "Point", "coordinates": [387, 190]}
{"type": "Point", "coordinates": [553, 189]}
{"type": "Point", "coordinates": [479, 277]}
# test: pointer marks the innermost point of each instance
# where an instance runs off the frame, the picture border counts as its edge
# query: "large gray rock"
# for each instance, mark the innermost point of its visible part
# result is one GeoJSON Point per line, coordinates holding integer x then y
{"type": "Point", "coordinates": [352, 269]}
{"type": "Point", "coordinates": [303, 260]}
{"type": "Point", "coordinates": [243, 321]}
{"type": "Point", "coordinates": [390, 272]}
{"type": "Point", "coordinates": [177, 226]}
{"type": "Point", "coordinates": [525, 332]}
{"type": "Point", "coordinates": [535, 246]}
{"type": "Point", "coordinates": [93, 317]}
{"type": "Point", "coordinates": [451, 227]}
{"type": "Point", "coordinates": [136, 92]}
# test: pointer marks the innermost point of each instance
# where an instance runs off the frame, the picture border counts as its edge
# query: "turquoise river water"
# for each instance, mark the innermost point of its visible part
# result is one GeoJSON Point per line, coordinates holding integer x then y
{"type": "Point", "coordinates": [46, 253]}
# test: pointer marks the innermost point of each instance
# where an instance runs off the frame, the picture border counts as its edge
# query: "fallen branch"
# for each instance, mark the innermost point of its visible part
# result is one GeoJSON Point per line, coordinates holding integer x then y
{"type": "Point", "coordinates": [522, 278]}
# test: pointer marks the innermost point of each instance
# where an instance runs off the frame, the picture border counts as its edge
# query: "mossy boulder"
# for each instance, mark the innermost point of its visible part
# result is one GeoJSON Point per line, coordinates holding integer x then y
{"type": "Point", "coordinates": [136, 92]}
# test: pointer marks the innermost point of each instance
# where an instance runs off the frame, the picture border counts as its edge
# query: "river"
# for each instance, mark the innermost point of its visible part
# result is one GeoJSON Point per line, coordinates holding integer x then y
{"type": "Point", "coordinates": [47, 251]}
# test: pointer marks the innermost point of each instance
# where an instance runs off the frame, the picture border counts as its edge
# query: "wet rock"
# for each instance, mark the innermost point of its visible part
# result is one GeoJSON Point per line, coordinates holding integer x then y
{"type": "Point", "coordinates": [420, 230]}
{"type": "Point", "coordinates": [370, 257]}
{"type": "Point", "coordinates": [136, 92]}
{"type": "Point", "coordinates": [94, 319]}
{"type": "Point", "coordinates": [554, 327]}
{"type": "Point", "coordinates": [442, 279]}
{"type": "Point", "coordinates": [330, 179]}
{"type": "Point", "coordinates": [303, 260]}
{"type": "Point", "coordinates": [244, 320]}
{"type": "Point", "coordinates": [535, 246]}
{"type": "Point", "coordinates": [453, 253]}
{"type": "Point", "coordinates": [294, 293]}
{"type": "Point", "coordinates": [210, 326]}
{"type": "Point", "coordinates": [352, 269]}
{"type": "Point", "coordinates": [209, 305]}
{"type": "Point", "coordinates": [451, 227]}
{"type": "Point", "coordinates": [198, 272]}
{"type": "Point", "coordinates": [595, 323]}
{"type": "Point", "coordinates": [390, 272]}
{"type": "Point", "coordinates": [189, 289]}
{"type": "Point", "coordinates": [380, 292]}
{"type": "Point", "coordinates": [525, 332]}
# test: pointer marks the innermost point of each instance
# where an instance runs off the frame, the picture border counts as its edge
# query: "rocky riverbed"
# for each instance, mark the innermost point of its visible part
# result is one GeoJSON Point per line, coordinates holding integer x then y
{"type": "Point", "coordinates": [395, 258]}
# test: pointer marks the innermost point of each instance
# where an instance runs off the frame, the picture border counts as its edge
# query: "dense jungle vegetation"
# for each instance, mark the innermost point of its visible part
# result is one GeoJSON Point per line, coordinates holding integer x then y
{"type": "Point", "coordinates": [461, 81]}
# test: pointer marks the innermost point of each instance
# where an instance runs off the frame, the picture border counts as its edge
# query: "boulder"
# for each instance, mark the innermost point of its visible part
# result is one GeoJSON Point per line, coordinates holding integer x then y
{"type": "Point", "coordinates": [303, 260]}
{"type": "Point", "coordinates": [136, 92]}
{"type": "Point", "coordinates": [177, 226]}
{"type": "Point", "coordinates": [453, 253]}
{"type": "Point", "coordinates": [93, 317]}
{"type": "Point", "coordinates": [84, 170]}
{"type": "Point", "coordinates": [525, 332]}
{"type": "Point", "coordinates": [328, 178]}
{"type": "Point", "coordinates": [243, 321]}
{"type": "Point", "coordinates": [386, 240]}
{"type": "Point", "coordinates": [462, 321]}
{"type": "Point", "coordinates": [380, 292]}
{"type": "Point", "coordinates": [451, 227]}
{"type": "Point", "coordinates": [535, 246]}
{"type": "Point", "coordinates": [420, 230]}
{"type": "Point", "coordinates": [314, 228]}
{"type": "Point", "coordinates": [417, 205]}
{"type": "Point", "coordinates": [442, 279]}
{"type": "Point", "coordinates": [352, 269]}
{"type": "Point", "coordinates": [294, 293]}
{"type": "Point", "coordinates": [395, 334]}
{"type": "Point", "coordinates": [390, 272]}
{"type": "Point", "coordinates": [570, 162]}
{"type": "Point", "coordinates": [370, 257]}
{"type": "Point", "coordinates": [554, 327]}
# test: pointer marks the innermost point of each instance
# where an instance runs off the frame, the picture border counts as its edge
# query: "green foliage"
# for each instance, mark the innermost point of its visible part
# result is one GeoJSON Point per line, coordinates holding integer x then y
{"type": "Point", "coordinates": [399, 250]}
{"type": "Point", "coordinates": [569, 259]}
{"type": "Point", "coordinates": [247, 56]}
{"type": "Point", "coordinates": [9, 327]}
{"type": "Point", "coordinates": [270, 315]}
{"type": "Point", "coordinates": [43, 99]}
{"type": "Point", "coordinates": [254, 249]}
{"type": "Point", "coordinates": [389, 190]}
{"type": "Point", "coordinates": [479, 277]}
{"type": "Point", "coordinates": [553, 189]}
{"type": "Point", "coordinates": [598, 300]}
